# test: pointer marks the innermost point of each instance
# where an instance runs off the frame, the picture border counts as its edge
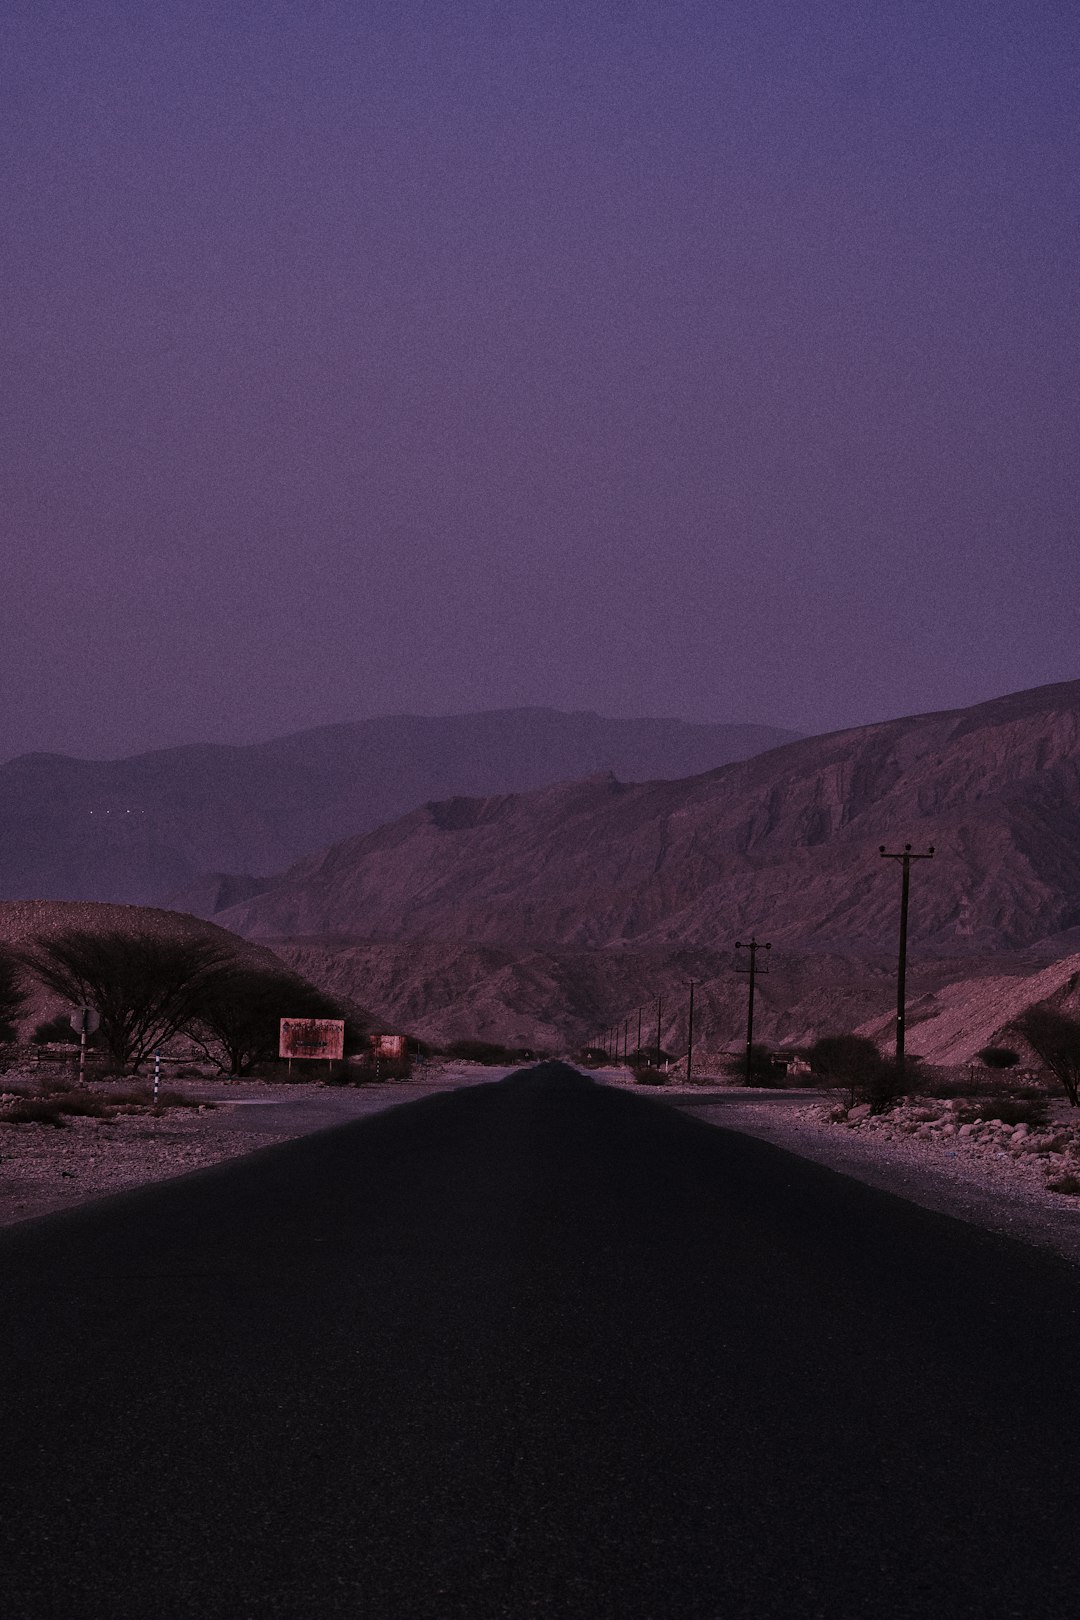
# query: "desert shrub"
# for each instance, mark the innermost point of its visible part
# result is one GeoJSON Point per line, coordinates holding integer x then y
{"type": "Point", "coordinates": [999, 1057]}
{"type": "Point", "coordinates": [83, 1103]}
{"type": "Point", "coordinates": [882, 1086]}
{"type": "Point", "coordinates": [54, 1085]}
{"type": "Point", "coordinates": [470, 1051]}
{"type": "Point", "coordinates": [56, 1032]}
{"type": "Point", "coordinates": [1054, 1038]}
{"type": "Point", "coordinates": [177, 1099]}
{"type": "Point", "coordinates": [853, 1064]}
{"type": "Point", "coordinates": [763, 1072]}
{"type": "Point", "coordinates": [949, 1083]}
{"type": "Point", "coordinates": [837, 1057]}
{"type": "Point", "coordinates": [648, 1076]}
{"type": "Point", "coordinates": [32, 1111]}
{"type": "Point", "coordinates": [1013, 1110]}
{"type": "Point", "coordinates": [1068, 1184]}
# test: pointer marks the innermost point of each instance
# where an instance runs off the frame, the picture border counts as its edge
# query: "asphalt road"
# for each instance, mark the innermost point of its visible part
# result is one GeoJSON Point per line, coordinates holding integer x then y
{"type": "Point", "coordinates": [533, 1349]}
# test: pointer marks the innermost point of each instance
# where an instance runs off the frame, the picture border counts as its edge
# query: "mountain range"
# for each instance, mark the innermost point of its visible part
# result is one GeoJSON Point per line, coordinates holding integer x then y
{"type": "Point", "coordinates": [542, 916]}
{"type": "Point", "coordinates": [200, 827]}
{"type": "Point", "coordinates": [785, 843]}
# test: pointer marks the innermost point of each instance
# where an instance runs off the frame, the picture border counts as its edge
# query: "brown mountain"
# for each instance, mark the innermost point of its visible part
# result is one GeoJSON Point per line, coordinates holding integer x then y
{"type": "Point", "coordinates": [558, 1000]}
{"type": "Point", "coordinates": [785, 843]}
{"type": "Point", "coordinates": [148, 828]}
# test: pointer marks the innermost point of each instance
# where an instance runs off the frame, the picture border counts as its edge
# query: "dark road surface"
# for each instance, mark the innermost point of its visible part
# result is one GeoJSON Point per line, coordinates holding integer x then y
{"type": "Point", "coordinates": [534, 1349]}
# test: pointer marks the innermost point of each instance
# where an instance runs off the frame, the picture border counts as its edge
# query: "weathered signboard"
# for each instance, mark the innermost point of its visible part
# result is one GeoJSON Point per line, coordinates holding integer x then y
{"type": "Point", "coordinates": [312, 1038]}
{"type": "Point", "coordinates": [390, 1046]}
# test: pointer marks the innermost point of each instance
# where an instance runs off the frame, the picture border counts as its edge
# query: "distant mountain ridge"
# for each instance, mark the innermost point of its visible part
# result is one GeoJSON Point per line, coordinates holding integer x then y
{"type": "Point", "coordinates": [145, 829]}
{"type": "Point", "coordinates": [785, 843]}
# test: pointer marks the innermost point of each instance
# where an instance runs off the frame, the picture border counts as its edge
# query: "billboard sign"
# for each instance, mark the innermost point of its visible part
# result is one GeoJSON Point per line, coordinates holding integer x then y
{"type": "Point", "coordinates": [312, 1038]}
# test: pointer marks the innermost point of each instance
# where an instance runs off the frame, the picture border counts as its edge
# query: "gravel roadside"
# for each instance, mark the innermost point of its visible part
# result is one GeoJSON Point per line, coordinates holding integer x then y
{"type": "Point", "coordinates": [44, 1168]}
{"type": "Point", "coordinates": [995, 1178]}
{"type": "Point", "coordinates": [987, 1183]}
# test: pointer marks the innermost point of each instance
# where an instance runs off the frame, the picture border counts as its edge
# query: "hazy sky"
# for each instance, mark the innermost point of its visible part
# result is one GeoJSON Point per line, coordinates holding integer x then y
{"type": "Point", "coordinates": [707, 359]}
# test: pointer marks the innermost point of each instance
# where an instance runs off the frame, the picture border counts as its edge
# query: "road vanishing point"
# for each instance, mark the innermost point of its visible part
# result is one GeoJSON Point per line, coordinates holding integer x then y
{"type": "Point", "coordinates": [542, 1349]}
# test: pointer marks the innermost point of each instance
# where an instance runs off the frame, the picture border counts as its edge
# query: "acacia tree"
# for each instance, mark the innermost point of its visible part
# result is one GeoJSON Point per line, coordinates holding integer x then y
{"type": "Point", "coordinates": [237, 1019]}
{"type": "Point", "coordinates": [1054, 1038]}
{"type": "Point", "coordinates": [12, 995]}
{"type": "Point", "coordinates": [143, 987]}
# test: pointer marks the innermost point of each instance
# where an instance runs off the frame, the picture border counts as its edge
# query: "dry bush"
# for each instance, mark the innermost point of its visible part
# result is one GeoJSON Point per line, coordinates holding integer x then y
{"type": "Point", "coordinates": [32, 1111]}
{"type": "Point", "coordinates": [53, 1085]}
{"type": "Point", "coordinates": [1054, 1038]}
{"type": "Point", "coordinates": [490, 1052]}
{"type": "Point", "coordinates": [999, 1057]}
{"type": "Point", "coordinates": [650, 1077]}
{"type": "Point", "coordinates": [1015, 1109]}
{"type": "Point", "coordinates": [81, 1102]}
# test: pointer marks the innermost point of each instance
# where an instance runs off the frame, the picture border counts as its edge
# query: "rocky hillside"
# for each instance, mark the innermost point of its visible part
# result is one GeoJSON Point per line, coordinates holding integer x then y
{"type": "Point", "coordinates": [147, 829]}
{"type": "Point", "coordinates": [558, 1000]}
{"type": "Point", "coordinates": [785, 843]}
{"type": "Point", "coordinates": [951, 1022]}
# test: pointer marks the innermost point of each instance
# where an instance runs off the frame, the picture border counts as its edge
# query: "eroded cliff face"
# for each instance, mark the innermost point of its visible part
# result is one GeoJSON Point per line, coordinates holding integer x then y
{"type": "Point", "coordinates": [785, 843]}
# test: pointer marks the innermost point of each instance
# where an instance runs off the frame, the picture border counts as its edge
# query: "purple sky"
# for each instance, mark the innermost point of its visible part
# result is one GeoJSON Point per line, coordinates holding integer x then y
{"type": "Point", "coordinates": [707, 359]}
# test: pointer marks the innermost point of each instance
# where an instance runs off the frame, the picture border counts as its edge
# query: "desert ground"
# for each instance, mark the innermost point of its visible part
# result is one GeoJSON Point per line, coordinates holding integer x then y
{"type": "Point", "coordinates": [45, 1168]}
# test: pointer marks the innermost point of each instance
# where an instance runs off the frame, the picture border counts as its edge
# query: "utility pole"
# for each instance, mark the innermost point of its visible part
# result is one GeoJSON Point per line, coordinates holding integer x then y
{"type": "Point", "coordinates": [690, 1036]}
{"type": "Point", "coordinates": [639, 1012]}
{"type": "Point", "coordinates": [753, 947]}
{"type": "Point", "coordinates": [659, 1010]}
{"type": "Point", "coordinates": [905, 859]}
{"type": "Point", "coordinates": [626, 1042]}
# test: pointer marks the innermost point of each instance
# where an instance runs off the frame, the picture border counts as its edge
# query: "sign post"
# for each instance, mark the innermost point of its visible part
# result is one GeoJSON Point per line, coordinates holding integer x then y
{"type": "Point", "coordinates": [84, 1020]}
